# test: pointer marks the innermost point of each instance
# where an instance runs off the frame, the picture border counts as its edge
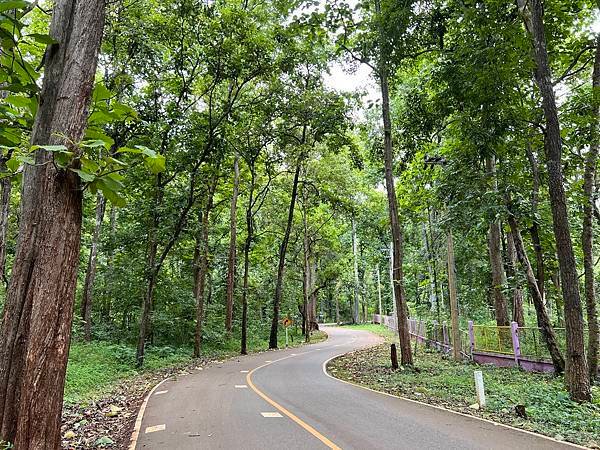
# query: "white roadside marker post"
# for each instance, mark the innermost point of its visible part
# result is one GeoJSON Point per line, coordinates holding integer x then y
{"type": "Point", "coordinates": [286, 337]}
{"type": "Point", "coordinates": [479, 388]}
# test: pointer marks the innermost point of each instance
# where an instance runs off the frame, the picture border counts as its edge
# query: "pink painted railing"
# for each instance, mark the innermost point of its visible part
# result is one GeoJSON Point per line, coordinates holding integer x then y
{"type": "Point", "coordinates": [511, 346]}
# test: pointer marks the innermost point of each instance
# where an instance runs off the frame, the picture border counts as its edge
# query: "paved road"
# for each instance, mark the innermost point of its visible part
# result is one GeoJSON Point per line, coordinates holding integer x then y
{"type": "Point", "coordinates": [284, 400]}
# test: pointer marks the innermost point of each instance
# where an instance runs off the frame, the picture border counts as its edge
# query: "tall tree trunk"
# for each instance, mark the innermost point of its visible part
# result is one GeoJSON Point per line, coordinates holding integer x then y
{"type": "Point", "coordinates": [90, 274]}
{"type": "Point", "coordinates": [576, 373]}
{"type": "Point", "coordinates": [356, 280]}
{"type": "Point", "coordinates": [518, 314]}
{"type": "Point", "coordinates": [535, 227]}
{"type": "Point", "coordinates": [306, 282]}
{"type": "Point", "coordinates": [495, 253]}
{"type": "Point", "coordinates": [151, 271]}
{"type": "Point", "coordinates": [202, 245]}
{"type": "Point", "coordinates": [6, 187]}
{"type": "Point", "coordinates": [231, 260]}
{"type": "Point", "coordinates": [283, 251]}
{"type": "Point", "coordinates": [36, 324]}
{"type": "Point", "coordinates": [540, 309]}
{"type": "Point", "coordinates": [110, 263]}
{"type": "Point", "coordinates": [588, 224]}
{"type": "Point", "coordinates": [247, 246]}
{"type": "Point", "coordinates": [396, 229]}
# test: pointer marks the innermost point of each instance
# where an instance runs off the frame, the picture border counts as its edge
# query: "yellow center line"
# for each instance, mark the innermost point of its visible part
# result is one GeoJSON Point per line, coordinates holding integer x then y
{"type": "Point", "coordinates": [281, 409]}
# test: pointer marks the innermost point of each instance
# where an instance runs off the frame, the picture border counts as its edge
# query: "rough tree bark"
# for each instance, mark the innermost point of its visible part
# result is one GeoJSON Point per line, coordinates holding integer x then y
{"type": "Point", "coordinates": [90, 274]}
{"type": "Point", "coordinates": [396, 228]}
{"type": "Point", "coordinates": [36, 325]}
{"type": "Point", "coordinates": [587, 237]}
{"type": "Point", "coordinates": [534, 231]}
{"type": "Point", "coordinates": [283, 250]}
{"type": "Point", "coordinates": [542, 315]}
{"type": "Point", "coordinates": [495, 253]}
{"type": "Point", "coordinates": [6, 187]}
{"type": "Point", "coordinates": [576, 370]}
{"type": "Point", "coordinates": [231, 259]}
{"type": "Point", "coordinates": [517, 309]}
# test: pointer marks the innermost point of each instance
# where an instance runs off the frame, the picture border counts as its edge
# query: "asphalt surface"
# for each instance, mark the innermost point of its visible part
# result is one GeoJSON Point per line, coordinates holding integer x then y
{"type": "Point", "coordinates": [218, 408]}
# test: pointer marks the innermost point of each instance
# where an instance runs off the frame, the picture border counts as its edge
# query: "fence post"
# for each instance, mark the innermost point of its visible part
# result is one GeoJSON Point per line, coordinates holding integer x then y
{"type": "Point", "coordinates": [472, 336]}
{"type": "Point", "coordinates": [436, 339]}
{"type": "Point", "coordinates": [514, 329]}
{"type": "Point", "coordinates": [445, 334]}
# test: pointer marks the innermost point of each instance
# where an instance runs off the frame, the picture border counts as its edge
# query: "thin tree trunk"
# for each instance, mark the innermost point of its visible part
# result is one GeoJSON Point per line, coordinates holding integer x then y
{"type": "Point", "coordinates": [380, 307]}
{"type": "Point", "coordinates": [518, 314]}
{"type": "Point", "coordinates": [576, 373]}
{"type": "Point", "coordinates": [90, 274]}
{"type": "Point", "coordinates": [396, 229]}
{"type": "Point", "coordinates": [495, 253]}
{"type": "Point", "coordinates": [36, 324]}
{"type": "Point", "coordinates": [356, 280]}
{"type": "Point", "coordinates": [151, 271]}
{"type": "Point", "coordinates": [283, 251]}
{"type": "Point", "coordinates": [202, 268]}
{"type": "Point", "coordinates": [542, 315]}
{"type": "Point", "coordinates": [110, 263]}
{"type": "Point", "coordinates": [6, 187]}
{"type": "Point", "coordinates": [247, 246]}
{"type": "Point", "coordinates": [306, 282]}
{"type": "Point", "coordinates": [231, 260]}
{"type": "Point", "coordinates": [588, 222]}
{"type": "Point", "coordinates": [534, 231]}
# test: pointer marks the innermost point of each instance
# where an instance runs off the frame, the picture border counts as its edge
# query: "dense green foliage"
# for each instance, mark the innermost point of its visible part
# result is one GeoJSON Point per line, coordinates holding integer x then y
{"type": "Point", "coordinates": [186, 87]}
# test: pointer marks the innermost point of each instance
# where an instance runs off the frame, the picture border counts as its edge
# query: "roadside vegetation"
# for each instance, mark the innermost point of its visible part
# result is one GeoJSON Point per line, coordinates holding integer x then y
{"type": "Point", "coordinates": [438, 380]}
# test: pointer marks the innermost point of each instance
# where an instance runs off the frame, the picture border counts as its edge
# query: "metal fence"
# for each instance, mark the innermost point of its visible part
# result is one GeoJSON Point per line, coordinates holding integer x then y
{"type": "Point", "coordinates": [503, 346]}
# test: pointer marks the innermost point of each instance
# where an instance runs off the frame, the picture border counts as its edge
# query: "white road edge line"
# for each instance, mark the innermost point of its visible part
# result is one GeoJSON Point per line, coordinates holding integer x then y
{"type": "Point", "coordinates": [241, 386]}
{"type": "Point", "coordinates": [244, 371]}
{"type": "Point", "coordinates": [445, 409]}
{"type": "Point", "coordinates": [140, 416]}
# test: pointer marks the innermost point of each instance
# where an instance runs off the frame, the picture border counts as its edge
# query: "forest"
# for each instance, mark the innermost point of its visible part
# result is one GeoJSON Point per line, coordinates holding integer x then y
{"type": "Point", "coordinates": [182, 175]}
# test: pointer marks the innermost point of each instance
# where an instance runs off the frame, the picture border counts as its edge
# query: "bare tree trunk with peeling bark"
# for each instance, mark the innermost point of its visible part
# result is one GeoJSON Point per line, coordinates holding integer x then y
{"type": "Point", "coordinates": [36, 324]}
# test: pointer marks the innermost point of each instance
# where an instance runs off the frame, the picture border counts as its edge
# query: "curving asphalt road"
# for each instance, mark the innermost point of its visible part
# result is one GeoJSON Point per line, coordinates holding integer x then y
{"type": "Point", "coordinates": [285, 400]}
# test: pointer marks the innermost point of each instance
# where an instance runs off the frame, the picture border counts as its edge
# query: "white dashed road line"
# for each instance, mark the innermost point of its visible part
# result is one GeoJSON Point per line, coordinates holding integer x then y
{"type": "Point", "coordinates": [156, 428]}
{"type": "Point", "coordinates": [271, 414]}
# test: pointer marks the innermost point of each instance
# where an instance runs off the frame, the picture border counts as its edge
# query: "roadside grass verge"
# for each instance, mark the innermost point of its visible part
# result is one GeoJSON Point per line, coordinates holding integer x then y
{"type": "Point", "coordinates": [441, 381]}
{"type": "Point", "coordinates": [97, 367]}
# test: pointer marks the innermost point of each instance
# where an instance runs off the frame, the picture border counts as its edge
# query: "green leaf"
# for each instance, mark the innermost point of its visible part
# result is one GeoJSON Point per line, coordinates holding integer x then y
{"type": "Point", "coordinates": [155, 164]}
{"type": "Point", "coordinates": [95, 144]}
{"type": "Point", "coordinates": [43, 38]}
{"type": "Point", "coordinates": [51, 148]}
{"type": "Point", "coordinates": [16, 4]}
{"type": "Point", "coordinates": [13, 164]}
{"type": "Point", "coordinates": [104, 440]}
{"type": "Point", "coordinates": [85, 176]}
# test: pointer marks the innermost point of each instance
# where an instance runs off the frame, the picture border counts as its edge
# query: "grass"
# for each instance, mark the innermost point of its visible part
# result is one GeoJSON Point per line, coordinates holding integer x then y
{"type": "Point", "coordinates": [95, 368]}
{"type": "Point", "coordinates": [442, 381]}
{"type": "Point", "coordinates": [379, 330]}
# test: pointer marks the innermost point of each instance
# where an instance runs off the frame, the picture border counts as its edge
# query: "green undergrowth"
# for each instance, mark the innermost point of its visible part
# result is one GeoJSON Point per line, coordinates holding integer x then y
{"type": "Point", "coordinates": [379, 330]}
{"type": "Point", "coordinates": [95, 368]}
{"type": "Point", "coordinates": [439, 380]}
